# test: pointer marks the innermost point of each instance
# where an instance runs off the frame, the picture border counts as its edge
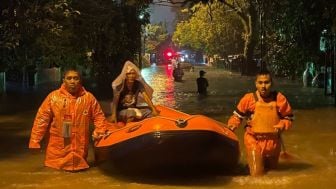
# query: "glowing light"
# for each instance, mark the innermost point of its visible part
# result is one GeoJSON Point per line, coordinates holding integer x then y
{"type": "Point", "coordinates": [168, 53]}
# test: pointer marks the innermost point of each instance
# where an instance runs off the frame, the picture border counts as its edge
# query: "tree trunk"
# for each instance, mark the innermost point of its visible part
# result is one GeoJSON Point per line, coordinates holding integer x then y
{"type": "Point", "coordinates": [250, 22]}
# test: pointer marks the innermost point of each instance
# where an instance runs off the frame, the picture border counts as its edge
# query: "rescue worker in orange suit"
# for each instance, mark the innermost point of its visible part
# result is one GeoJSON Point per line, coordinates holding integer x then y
{"type": "Point", "coordinates": [267, 113]}
{"type": "Point", "coordinates": [64, 118]}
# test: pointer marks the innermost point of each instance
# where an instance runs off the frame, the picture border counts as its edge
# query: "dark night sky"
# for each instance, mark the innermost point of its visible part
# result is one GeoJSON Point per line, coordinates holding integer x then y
{"type": "Point", "coordinates": [161, 13]}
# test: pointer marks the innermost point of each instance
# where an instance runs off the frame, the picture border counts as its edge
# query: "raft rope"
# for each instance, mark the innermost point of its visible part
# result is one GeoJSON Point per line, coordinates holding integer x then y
{"type": "Point", "coordinates": [179, 122]}
{"type": "Point", "coordinates": [171, 119]}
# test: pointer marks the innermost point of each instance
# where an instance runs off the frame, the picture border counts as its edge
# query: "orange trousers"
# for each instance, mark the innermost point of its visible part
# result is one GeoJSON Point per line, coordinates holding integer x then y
{"type": "Point", "coordinates": [262, 152]}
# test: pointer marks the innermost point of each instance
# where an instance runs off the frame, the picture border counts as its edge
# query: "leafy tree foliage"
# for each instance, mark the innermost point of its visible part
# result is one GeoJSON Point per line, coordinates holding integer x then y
{"type": "Point", "coordinates": [29, 29]}
{"type": "Point", "coordinates": [293, 30]}
{"type": "Point", "coordinates": [98, 34]}
{"type": "Point", "coordinates": [284, 33]}
{"type": "Point", "coordinates": [247, 11]}
{"type": "Point", "coordinates": [212, 29]}
{"type": "Point", "coordinates": [155, 34]}
{"type": "Point", "coordinates": [110, 32]}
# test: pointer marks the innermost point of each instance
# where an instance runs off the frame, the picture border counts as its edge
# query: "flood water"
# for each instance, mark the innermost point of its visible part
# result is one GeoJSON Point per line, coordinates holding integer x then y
{"type": "Point", "coordinates": [311, 142]}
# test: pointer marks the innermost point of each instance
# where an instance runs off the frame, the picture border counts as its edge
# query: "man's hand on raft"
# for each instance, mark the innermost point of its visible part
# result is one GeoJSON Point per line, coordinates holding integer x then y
{"type": "Point", "coordinates": [100, 135]}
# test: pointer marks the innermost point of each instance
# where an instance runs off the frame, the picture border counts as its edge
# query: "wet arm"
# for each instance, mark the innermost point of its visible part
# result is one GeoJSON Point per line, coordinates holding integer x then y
{"type": "Point", "coordinates": [245, 105]}
{"type": "Point", "coordinates": [42, 121]}
{"type": "Point", "coordinates": [234, 121]}
{"type": "Point", "coordinates": [150, 103]}
{"type": "Point", "coordinates": [286, 113]}
{"type": "Point", "coordinates": [146, 87]}
{"type": "Point", "coordinates": [98, 117]}
{"type": "Point", "coordinates": [114, 105]}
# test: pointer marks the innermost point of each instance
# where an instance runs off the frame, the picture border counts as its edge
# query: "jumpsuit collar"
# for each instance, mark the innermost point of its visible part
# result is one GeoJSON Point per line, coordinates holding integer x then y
{"type": "Point", "coordinates": [80, 92]}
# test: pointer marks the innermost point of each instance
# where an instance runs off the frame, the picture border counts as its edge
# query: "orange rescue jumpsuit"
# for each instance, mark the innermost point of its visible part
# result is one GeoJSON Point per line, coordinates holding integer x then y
{"type": "Point", "coordinates": [67, 152]}
{"type": "Point", "coordinates": [261, 139]}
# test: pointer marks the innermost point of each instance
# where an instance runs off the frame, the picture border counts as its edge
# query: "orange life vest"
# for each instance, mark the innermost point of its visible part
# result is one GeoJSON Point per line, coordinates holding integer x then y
{"type": "Point", "coordinates": [265, 116]}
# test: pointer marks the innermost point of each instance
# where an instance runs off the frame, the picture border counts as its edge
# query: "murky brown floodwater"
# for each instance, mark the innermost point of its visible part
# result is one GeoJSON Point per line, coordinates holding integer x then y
{"type": "Point", "coordinates": [312, 140]}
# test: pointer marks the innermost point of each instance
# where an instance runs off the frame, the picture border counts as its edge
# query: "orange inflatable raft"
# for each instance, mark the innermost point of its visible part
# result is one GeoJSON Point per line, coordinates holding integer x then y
{"type": "Point", "coordinates": [172, 140]}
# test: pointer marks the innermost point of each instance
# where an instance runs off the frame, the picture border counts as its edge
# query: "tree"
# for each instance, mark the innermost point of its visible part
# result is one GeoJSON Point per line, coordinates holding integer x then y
{"type": "Point", "coordinates": [64, 32]}
{"type": "Point", "coordinates": [31, 32]}
{"type": "Point", "coordinates": [277, 29]}
{"type": "Point", "coordinates": [212, 29]}
{"type": "Point", "coordinates": [155, 34]}
{"type": "Point", "coordinates": [26, 26]}
{"type": "Point", "coordinates": [247, 11]}
{"type": "Point", "coordinates": [293, 30]}
{"type": "Point", "coordinates": [111, 32]}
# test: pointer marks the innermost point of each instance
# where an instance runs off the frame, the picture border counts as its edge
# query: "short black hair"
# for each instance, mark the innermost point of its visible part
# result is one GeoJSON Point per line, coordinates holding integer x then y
{"type": "Point", "coordinates": [264, 72]}
{"type": "Point", "coordinates": [68, 69]}
{"type": "Point", "coordinates": [202, 72]}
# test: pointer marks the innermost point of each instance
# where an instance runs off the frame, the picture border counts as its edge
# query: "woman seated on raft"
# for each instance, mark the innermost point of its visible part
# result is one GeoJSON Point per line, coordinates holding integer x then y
{"type": "Point", "coordinates": [127, 87]}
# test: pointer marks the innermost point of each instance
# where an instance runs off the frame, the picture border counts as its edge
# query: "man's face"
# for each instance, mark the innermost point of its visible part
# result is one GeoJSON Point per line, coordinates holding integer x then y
{"type": "Point", "coordinates": [72, 81]}
{"type": "Point", "coordinates": [263, 85]}
{"type": "Point", "coordinates": [131, 75]}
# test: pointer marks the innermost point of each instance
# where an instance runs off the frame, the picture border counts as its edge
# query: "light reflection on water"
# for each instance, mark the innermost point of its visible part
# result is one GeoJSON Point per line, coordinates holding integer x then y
{"type": "Point", "coordinates": [312, 140]}
{"type": "Point", "coordinates": [163, 84]}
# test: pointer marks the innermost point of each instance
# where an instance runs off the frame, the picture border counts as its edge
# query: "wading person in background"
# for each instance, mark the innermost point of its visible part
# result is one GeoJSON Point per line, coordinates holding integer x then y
{"type": "Point", "coordinates": [64, 117]}
{"type": "Point", "coordinates": [308, 75]}
{"type": "Point", "coordinates": [128, 88]}
{"type": "Point", "coordinates": [268, 113]}
{"type": "Point", "coordinates": [202, 84]}
{"type": "Point", "coordinates": [178, 72]}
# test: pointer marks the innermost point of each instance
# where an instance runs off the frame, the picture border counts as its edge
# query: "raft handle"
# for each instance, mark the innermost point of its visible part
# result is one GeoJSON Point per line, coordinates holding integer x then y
{"type": "Point", "coordinates": [134, 128]}
{"type": "Point", "coordinates": [181, 123]}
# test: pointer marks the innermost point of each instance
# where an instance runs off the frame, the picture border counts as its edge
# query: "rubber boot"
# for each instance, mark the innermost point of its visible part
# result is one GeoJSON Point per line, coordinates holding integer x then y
{"type": "Point", "coordinates": [255, 162]}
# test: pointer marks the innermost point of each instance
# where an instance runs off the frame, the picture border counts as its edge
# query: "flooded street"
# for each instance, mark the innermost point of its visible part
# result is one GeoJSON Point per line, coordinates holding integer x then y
{"type": "Point", "coordinates": [311, 141]}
